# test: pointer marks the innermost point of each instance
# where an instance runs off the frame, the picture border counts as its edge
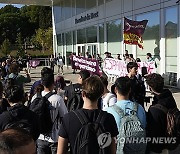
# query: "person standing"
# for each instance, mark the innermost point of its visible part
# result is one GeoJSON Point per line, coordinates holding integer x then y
{"type": "Point", "coordinates": [18, 115]}
{"type": "Point", "coordinates": [151, 59]}
{"type": "Point", "coordinates": [130, 118]}
{"type": "Point", "coordinates": [47, 143]}
{"type": "Point", "coordinates": [156, 117]}
{"type": "Point", "coordinates": [28, 62]}
{"type": "Point", "coordinates": [52, 62]}
{"type": "Point", "coordinates": [138, 90]}
{"type": "Point", "coordinates": [77, 87]}
{"type": "Point", "coordinates": [99, 59]}
{"type": "Point", "coordinates": [92, 91]}
{"type": "Point", "coordinates": [60, 63]}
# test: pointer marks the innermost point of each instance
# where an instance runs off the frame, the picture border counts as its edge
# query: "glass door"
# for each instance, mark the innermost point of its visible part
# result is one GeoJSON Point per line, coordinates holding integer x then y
{"type": "Point", "coordinates": [81, 50]}
{"type": "Point", "coordinates": [92, 49]}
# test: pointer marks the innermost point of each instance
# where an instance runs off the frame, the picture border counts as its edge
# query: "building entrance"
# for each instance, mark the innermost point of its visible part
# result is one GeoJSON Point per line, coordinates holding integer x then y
{"type": "Point", "coordinates": [92, 48]}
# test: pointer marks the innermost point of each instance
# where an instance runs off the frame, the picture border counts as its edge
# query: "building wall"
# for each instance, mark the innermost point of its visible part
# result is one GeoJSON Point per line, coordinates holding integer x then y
{"type": "Point", "coordinates": [161, 37]}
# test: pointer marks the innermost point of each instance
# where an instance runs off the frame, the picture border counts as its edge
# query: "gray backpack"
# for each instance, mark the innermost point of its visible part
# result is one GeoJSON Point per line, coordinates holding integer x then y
{"type": "Point", "coordinates": [131, 138]}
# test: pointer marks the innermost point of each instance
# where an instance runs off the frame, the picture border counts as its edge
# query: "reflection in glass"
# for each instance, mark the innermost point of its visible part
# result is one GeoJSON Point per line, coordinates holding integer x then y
{"type": "Point", "coordinates": [114, 36]}
{"type": "Point", "coordinates": [90, 4]}
{"type": "Point", "coordinates": [80, 6]}
{"type": "Point", "coordinates": [67, 9]}
{"type": "Point", "coordinates": [151, 37]}
{"type": "Point", "coordinates": [101, 38]}
{"type": "Point", "coordinates": [91, 33]}
{"type": "Point", "coordinates": [73, 7]}
{"type": "Point", "coordinates": [81, 36]}
{"type": "Point", "coordinates": [68, 46]}
{"type": "Point", "coordinates": [171, 22]}
{"type": "Point", "coordinates": [100, 2]}
{"type": "Point", "coordinates": [59, 43]}
{"type": "Point", "coordinates": [57, 13]}
{"type": "Point", "coordinates": [108, 1]}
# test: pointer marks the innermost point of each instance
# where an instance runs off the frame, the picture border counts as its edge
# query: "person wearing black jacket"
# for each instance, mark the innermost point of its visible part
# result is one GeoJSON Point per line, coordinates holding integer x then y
{"type": "Point", "coordinates": [18, 115]}
{"type": "Point", "coordinates": [138, 90]}
{"type": "Point", "coordinates": [156, 118]}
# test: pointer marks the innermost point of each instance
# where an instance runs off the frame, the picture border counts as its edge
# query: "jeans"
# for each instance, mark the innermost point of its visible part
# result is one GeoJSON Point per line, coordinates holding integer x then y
{"type": "Point", "coordinates": [44, 147]}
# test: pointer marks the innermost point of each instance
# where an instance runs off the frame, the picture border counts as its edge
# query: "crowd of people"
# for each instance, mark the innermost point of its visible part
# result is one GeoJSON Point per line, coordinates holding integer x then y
{"type": "Point", "coordinates": [84, 117]}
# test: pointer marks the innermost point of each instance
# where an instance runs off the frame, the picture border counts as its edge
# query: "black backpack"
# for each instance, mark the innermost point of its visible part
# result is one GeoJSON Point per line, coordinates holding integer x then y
{"type": "Point", "coordinates": [92, 138]}
{"type": "Point", "coordinates": [173, 124]}
{"type": "Point", "coordinates": [75, 101]}
{"type": "Point", "coordinates": [41, 106]}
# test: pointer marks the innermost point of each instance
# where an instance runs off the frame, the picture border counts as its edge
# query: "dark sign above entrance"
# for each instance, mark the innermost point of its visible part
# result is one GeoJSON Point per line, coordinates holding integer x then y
{"type": "Point", "coordinates": [89, 16]}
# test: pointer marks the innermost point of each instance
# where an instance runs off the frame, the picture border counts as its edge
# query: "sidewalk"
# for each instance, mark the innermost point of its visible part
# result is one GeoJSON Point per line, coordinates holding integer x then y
{"type": "Point", "coordinates": [68, 75]}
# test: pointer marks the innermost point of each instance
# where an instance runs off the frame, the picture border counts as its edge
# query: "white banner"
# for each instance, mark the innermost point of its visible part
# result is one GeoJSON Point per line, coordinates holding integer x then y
{"type": "Point", "coordinates": [119, 67]}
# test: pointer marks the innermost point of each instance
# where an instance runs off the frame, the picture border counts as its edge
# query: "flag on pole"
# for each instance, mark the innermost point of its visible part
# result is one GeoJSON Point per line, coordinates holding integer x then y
{"type": "Point", "coordinates": [133, 31]}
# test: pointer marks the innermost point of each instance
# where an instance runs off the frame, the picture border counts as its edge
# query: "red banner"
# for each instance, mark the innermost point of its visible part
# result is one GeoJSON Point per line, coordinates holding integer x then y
{"type": "Point", "coordinates": [91, 65]}
{"type": "Point", "coordinates": [133, 31]}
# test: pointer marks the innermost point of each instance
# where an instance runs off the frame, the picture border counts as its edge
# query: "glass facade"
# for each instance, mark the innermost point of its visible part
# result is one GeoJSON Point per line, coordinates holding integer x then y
{"type": "Point", "coordinates": [107, 30]}
{"type": "Point", "coordinates": [114, 36]}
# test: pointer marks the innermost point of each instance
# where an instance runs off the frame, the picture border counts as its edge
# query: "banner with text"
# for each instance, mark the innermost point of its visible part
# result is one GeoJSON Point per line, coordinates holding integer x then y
{"type": "Point", "coordinates": [119, 67]}
{"type": "Point", "coordinates": [133, 31]}
{"type": "Point", "coordinates": [91, 65]}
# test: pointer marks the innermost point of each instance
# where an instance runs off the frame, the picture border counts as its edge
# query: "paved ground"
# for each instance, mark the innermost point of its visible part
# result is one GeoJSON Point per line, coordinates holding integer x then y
{"type": "Point", "coordinates": [35, 75]}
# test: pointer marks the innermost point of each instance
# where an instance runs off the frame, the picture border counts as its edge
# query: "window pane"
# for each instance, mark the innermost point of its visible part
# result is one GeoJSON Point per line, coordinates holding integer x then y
{"type": "Point", "coordinates": [91, 34]}
{"type": "Point", "coordinates": [150, 37]}
{"type": "Point", "coordinates": [80, 6]}
{"type": "Point", "coordinates": [73, 7]}
{"type": "Point", "coordinates": [90, 4]}
{"type": "Point", "coordinates": [108, 1]}
{"type": "Point", "coordinates": [68, 45]}
{"type": "Point", "coordinates": [57, 13]}
{"type": "Point", "coordinates": [81, 36]}
{"type": "Point", "coordinates": [101, 38]}
{"type": "Point", "coordinates": [171, 45]}
{"type": "Point", "coordinates": [100, 2]}
{"type": "Point", "coordinates": [114, 36]}
{"type": "Point", "coordinates": [67, 9]}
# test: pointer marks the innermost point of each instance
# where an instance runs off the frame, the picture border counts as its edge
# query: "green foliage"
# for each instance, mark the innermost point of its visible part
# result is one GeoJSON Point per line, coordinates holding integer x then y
{"type": "Point", "coordinates": [44, 38]}
{"type": "Point", "coordinates": [19, 42]}
{"type": "Point", "coordinates": [24, 21]}
{"type": "Point", "coordinates": [6, 47]}
{"type": "Point", "coordinates": [9, 9]}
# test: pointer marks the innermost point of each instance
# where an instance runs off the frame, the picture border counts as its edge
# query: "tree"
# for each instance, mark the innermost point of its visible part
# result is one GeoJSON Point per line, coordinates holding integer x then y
{"type": "Point", "coordinates": [6, 47]}
{"type": "Point", "coordinates": [44, 37]}
{"type": "Point", "coordinates": [26, 20]}
{"type": "Point", "coordinates": [19, 42]}
{"type": "Point", "coordinates": [9, 9]}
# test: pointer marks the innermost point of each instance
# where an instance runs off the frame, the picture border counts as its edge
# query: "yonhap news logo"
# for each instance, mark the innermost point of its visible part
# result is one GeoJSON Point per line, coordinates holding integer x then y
{"type": "Point", "coordinates": [145, 140]}
{"type": "Point", "coordinates": [104, 140]}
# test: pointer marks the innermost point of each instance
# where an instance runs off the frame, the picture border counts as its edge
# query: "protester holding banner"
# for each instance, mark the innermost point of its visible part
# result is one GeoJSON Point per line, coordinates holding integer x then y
{"type": "Point", "coordinates": [72, 62]}
{"type": "Point", "coordinates": [151, 59]}
{"type": "Point", "coordinates": [99, 59]}
{"type": "Point", "coordinates": [133, 31]}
